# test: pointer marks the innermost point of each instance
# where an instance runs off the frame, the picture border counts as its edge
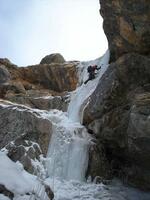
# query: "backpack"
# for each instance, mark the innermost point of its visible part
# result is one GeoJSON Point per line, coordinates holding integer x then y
{"type": "Point", "coordinates": [89, 69]}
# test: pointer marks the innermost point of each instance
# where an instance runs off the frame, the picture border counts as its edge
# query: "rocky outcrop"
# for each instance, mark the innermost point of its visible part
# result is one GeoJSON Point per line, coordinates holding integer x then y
{"type": "Point", "coordinates": [20, 121]}
{"type": "Point", "coordinates": [128, 75]}
{"type": "Point", "coordinates": [28, 153]}
{"type": "Point", "coordinates": [53, 58]}
{"type": "Point", "coordinates": [4, 74]}
{"type": "Point", "coordinates": [126, 25]}
{"type": "Point", "coordinates": [118, 116]}
{"type": "Point", "coordinates": [41, 86]}
{"type": "Point", "coordinates": [118, 111]}
{"type": "Point", "coordinates": [40, 99]}
{"type": "Point", "coordinates": [57, 77]}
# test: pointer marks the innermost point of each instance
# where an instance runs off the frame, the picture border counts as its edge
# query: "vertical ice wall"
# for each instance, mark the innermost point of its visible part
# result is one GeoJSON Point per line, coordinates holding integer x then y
{"type": "Point", "coordinates": [69, 145]}
{"type": "Point", "coordinates": [81, 95]}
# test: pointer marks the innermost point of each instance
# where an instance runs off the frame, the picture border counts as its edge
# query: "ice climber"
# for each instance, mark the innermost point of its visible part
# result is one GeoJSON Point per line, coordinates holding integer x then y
{"type": "Point", "coordinates": [91, 70]}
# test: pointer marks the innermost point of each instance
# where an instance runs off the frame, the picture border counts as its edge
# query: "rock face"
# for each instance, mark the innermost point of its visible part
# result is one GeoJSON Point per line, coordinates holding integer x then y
{"type": "Point", "coordinates": [4, 74]}
{"type": "Point", "coordinates": [20, 121]}
{"type": "Point", "coordinates": [53, 58]}
{"type": "Point", "coordinates": [43, 86]}
{"type": "Point", "coordinates": [56, 77]}
{"type": "Point", "coordinates": [26, 152]}
{"type": "Point", "coordinates": [118, 115]}
{"type": "Point", "coordinates": [45, 101]}
{"type": "Point", "coordinates": [127, 26]}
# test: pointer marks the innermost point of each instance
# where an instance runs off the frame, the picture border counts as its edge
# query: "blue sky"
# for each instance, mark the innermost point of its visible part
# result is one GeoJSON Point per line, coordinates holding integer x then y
{"type": "Point", "coordinates": [31, 29]}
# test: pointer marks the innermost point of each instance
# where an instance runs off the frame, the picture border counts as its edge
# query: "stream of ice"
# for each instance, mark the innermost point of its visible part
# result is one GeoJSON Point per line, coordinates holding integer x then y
{"type": "Point", "coordinates": [68, 149]}
{"type": "Point", "coordinates": [67, 157]}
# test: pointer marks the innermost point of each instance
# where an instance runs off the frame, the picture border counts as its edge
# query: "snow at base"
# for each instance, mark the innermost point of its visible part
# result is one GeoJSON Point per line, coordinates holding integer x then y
{"type": "Point", "coordinates": [73, 190]}
{"type": "Point", "coordinates": [2, 197]}
{"type": "Point", "coordinates": [19, 181]}
{"type": "Point", "coordinates": [14, 177]}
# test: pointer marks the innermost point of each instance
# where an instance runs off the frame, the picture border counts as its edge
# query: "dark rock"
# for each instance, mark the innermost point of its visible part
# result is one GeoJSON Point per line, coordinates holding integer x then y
{"type": "Point", "coordinates": [139, 139]}
{"type": "Point", "coordinates": [126, 74]}
{"type": "Point", "coordinates": [127, 26]}
{"type": "Point", "coordinates": [118, 115]}
{"type": "Point", "coordinates": [98, 167]}
{"type": "Point", "coordinates": [5, 61]}
{"type": "Point", "coordinates": [53, 58]}
{"type": "Point", "coordinates": [26, 152]}
{"type": "Point", "coordinates": [4, 74]}
{"type": "Point", "coordinates": [49, 192]}
{"type": "Point", "coordinates": [6, 192]}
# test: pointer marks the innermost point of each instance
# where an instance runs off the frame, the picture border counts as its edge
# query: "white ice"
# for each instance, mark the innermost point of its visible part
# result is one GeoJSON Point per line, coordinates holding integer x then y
{"type": "Point", "coordinates": [19, 181]}
{"type": "Point", "coordinates": [68, 150]}
{"type": "Point", "coordinates": [81, 95]}
{"type": "Point", "coordinates": [14, 177]}
{"type": "Point", "coordinates": [73, 190]}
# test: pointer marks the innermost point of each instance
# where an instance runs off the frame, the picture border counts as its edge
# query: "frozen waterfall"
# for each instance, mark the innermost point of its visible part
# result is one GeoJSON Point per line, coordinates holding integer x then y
{"type": "Point", "coordinates": [68, 150]}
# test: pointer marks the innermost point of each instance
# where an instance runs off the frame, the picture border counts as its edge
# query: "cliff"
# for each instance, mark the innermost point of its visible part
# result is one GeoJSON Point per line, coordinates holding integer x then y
{"type": "Point", "coordinates": [119, 110]}
{"type": "Point", "coordinates": [127, 26]}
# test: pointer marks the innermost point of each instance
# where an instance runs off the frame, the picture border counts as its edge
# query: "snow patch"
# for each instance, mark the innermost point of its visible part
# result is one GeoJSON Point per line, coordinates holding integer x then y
{"type": "Point", "coordinates": [14, 177]}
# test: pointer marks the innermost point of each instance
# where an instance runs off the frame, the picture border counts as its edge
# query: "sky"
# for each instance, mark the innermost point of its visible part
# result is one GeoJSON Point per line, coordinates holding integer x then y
{"type": "Point", "coordinates": [32, 29]}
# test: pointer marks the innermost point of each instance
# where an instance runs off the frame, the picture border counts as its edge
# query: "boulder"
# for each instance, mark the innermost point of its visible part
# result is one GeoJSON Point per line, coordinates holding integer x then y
{"type": "Point", "coordinates": [53, 58]}
{"type": "Point", "coordinates": [17, 120]}
{"type": "Point", "coordinates": [26, 152]}
{"type": "Point", "coordinates": [126, 25]}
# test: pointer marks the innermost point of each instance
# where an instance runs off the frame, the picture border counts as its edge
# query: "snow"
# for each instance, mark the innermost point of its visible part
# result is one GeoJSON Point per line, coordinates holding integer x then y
{"type": "Point", "coordinates": [2, 197]}
{"type": "Point", "coordinates": [81, 95]}
{"type": "Point", "coordinates": [14, 177]}
{"type": "Point", "coordinates": [19, 181]}
{"type": "Point", "coordinates": [44, 97]}
{"type": "Point", "coordinates": [74, 190]}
